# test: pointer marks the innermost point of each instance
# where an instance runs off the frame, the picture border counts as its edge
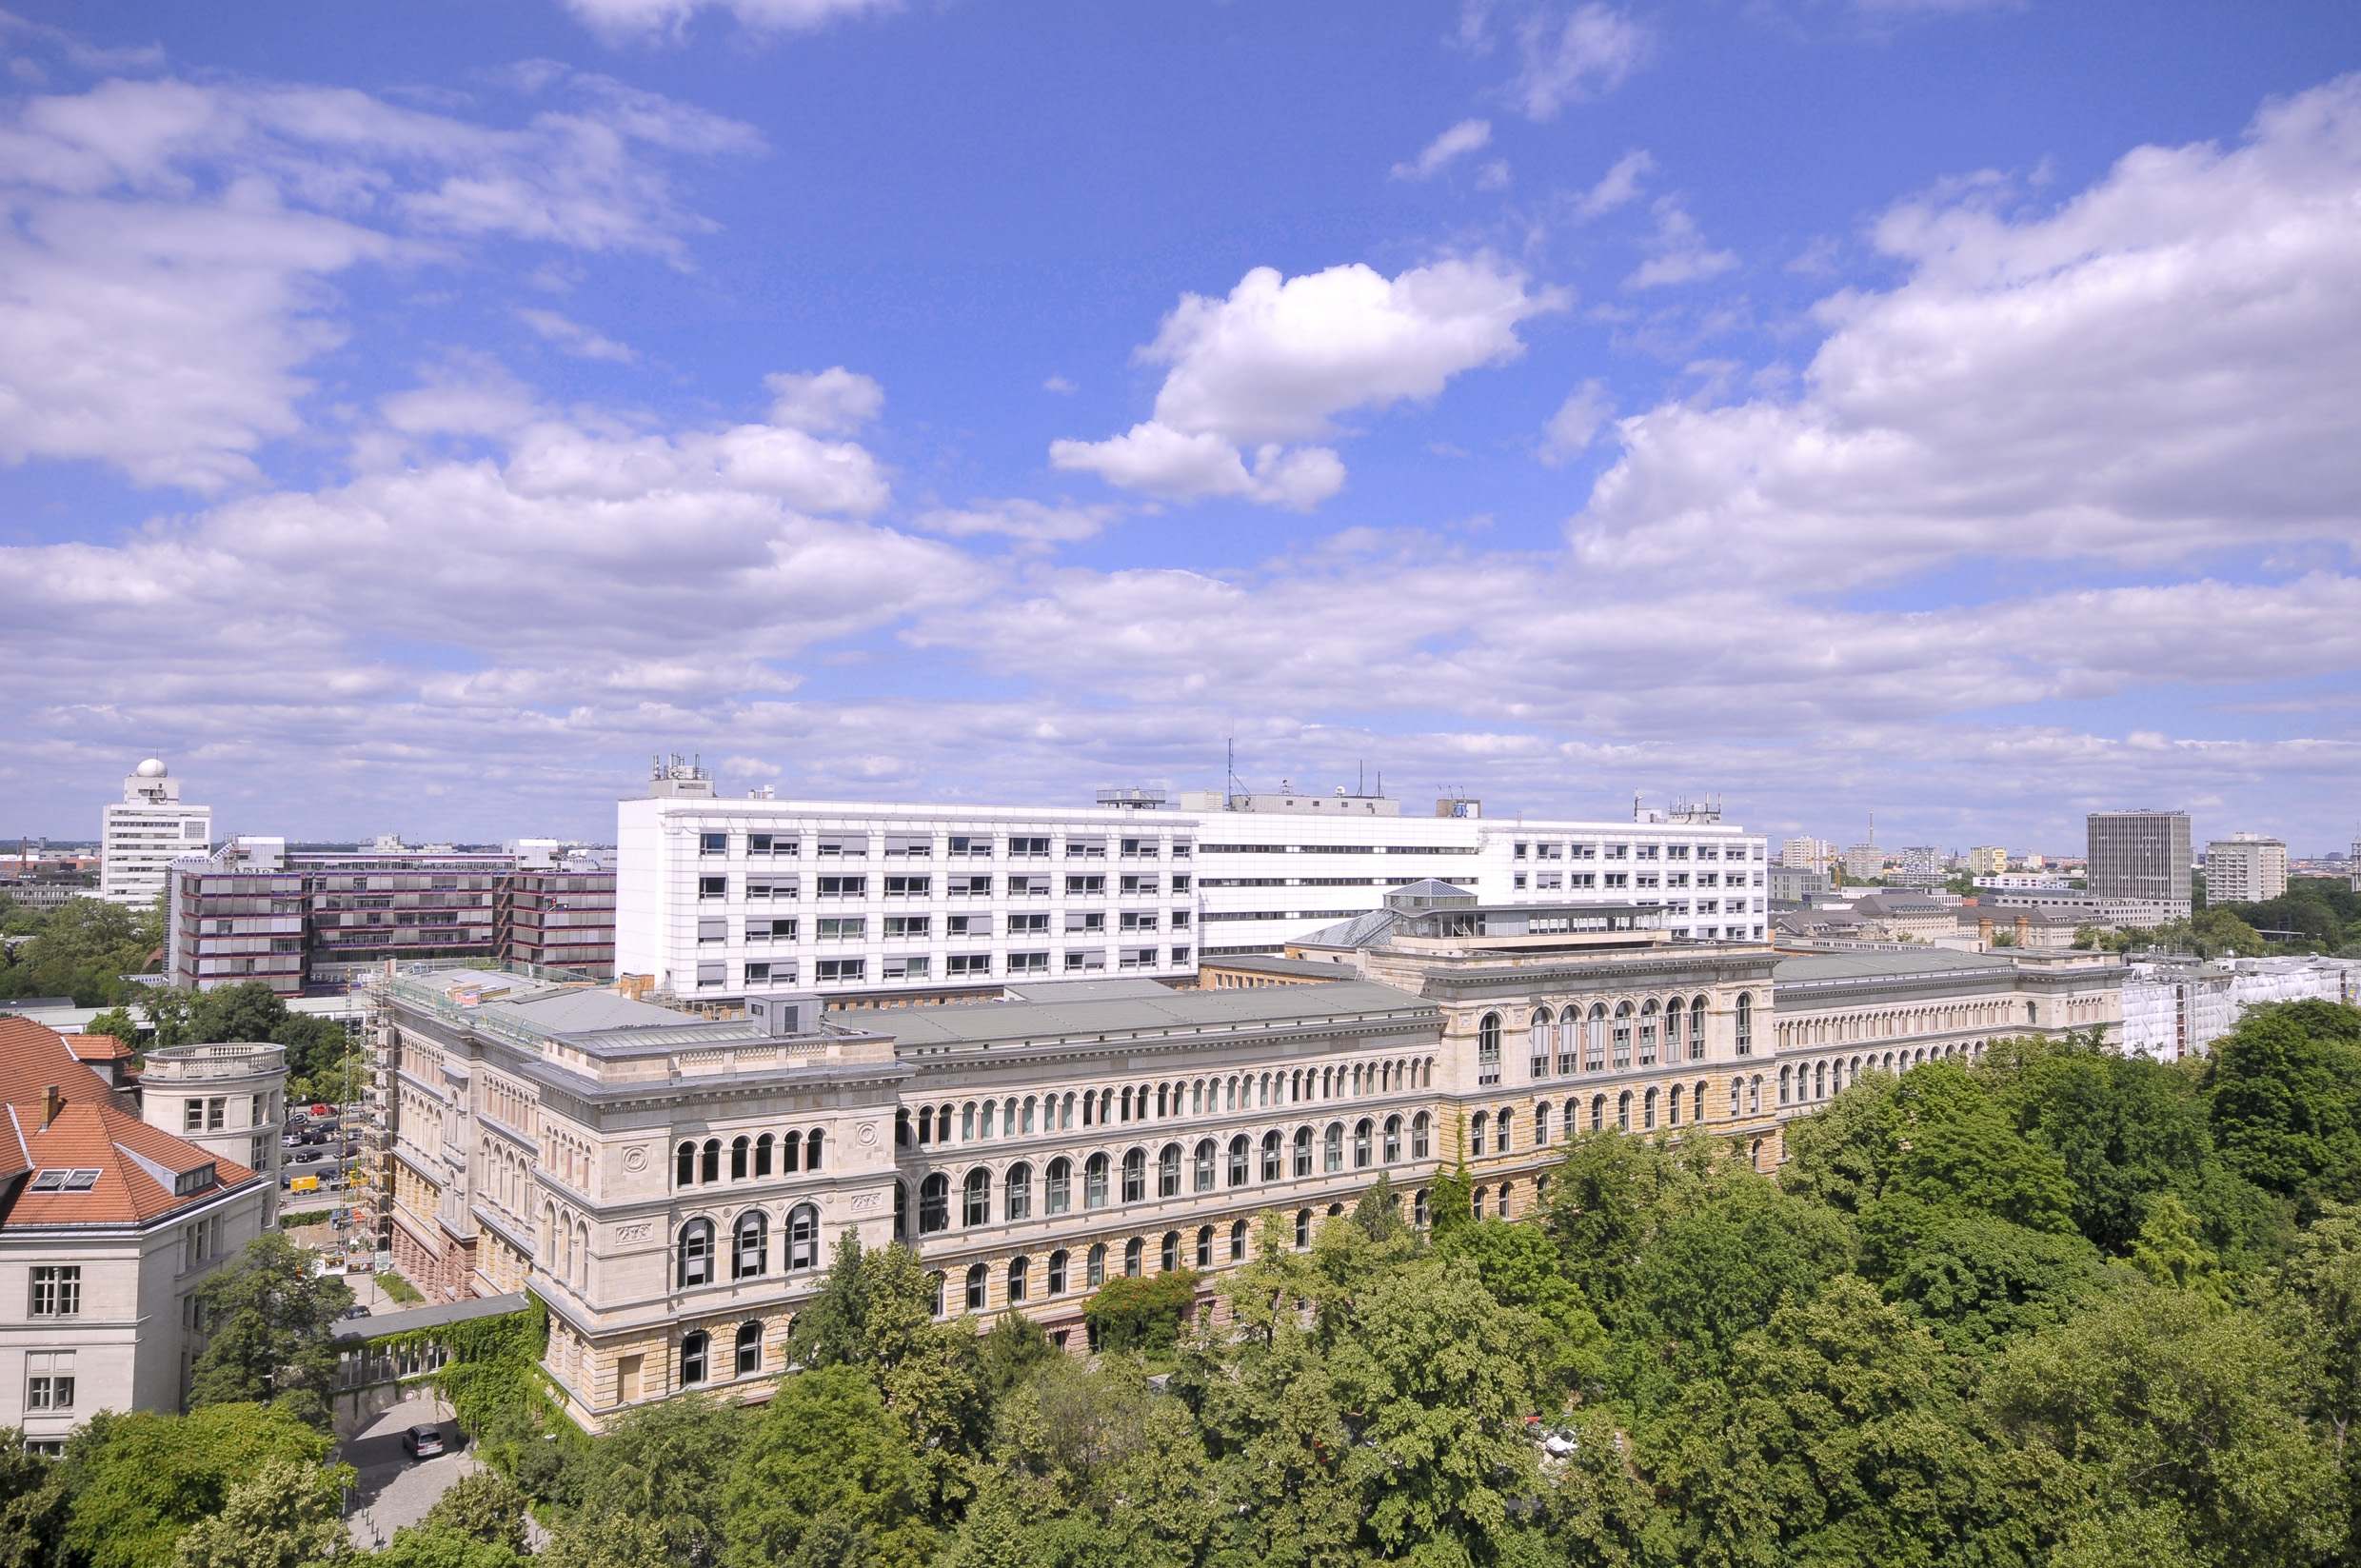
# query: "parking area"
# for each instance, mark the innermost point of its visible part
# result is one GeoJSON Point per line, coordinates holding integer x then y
{"type": "Point", "coordinates": [393, 1489]}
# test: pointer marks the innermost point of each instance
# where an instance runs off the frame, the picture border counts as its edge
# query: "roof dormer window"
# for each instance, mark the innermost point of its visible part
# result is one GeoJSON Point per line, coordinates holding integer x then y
{"type": "Point", "coordinates": [73, 1180]}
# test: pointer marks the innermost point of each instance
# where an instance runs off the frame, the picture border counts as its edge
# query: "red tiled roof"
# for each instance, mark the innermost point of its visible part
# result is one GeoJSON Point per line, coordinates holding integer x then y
{"type": "Point", "coordinates": [90, 1132]}
{"type": "Point", "coordinates": [97, 1048]}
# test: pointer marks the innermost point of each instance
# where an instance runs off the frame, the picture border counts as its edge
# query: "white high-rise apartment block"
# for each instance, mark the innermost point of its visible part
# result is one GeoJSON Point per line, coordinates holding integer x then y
{"type": "Point", "coordinates": [718, 899]}
{"type": "Point", "coordinates": [1807, 854]}
{"type": "Point", "coordinates": [143, 835]}
{"type": "Point", "coordinates": [2245, 869]}
{"type": "Point", "coordinates": [1988, 859]}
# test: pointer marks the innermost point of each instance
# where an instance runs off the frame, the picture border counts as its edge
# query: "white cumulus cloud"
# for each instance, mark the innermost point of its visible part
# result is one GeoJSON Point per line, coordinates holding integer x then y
{"type": "Point", "coordinates": [1467, 136]}
{"type": "Point", "coordinates": [1571, 58]}
{"type": "Point", "coordinates": [619, 21]}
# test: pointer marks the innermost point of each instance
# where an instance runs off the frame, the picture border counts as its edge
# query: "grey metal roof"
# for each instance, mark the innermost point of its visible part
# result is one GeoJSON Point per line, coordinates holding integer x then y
{"type": "Point", "coordinates": [442, 1316]}
{"type": "Point", "coordinates": [1120, 987]}
{"type": "Point", "coordinates": [1357, 932]}
{"type": "Point", "coordinates": [983, 1022]}
{"type": "Point", "coordinates": [1932, 961]}
{"type": "Point", "coordinates": [1323, 970]}
{"type": "Point", "coordinates": [567, 1009]}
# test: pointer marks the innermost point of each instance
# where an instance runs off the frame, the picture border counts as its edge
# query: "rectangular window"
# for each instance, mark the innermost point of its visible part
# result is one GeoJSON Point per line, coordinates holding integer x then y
{"type": "Point", "coordinates": [788, 889]}
{"type": "Point", "coordinates": [844, 847]}
{"type": "Point", "coordinates": [758, 973]}
{"type": "Point", "coordinates": [973, 887]}
{"type": "Point", "coordinates": [1026, 887]}
{"type": "Point", "coordinates": [1086, 886]}
{"type": "Point", "coordinates": [771, 844]}
{"type": "Point", "coordinates": [967, 926]}
{"type": "Point", "coordinates": [1020, 924]}
{"type": "Point", "coordinates": [1082, 962]}
{"type": "Point", "coordinates": [1136, 921]}
{"type": "Point", "coordinates": [258, 1153]}
{"type": "Point", "coordinates": [908, 887]}
{"type": "Point", "coordinates": [771, 931]}
{"type": "Point", "coordinates": [1180, 849]}
{"type": "Point", "coordinates": [56, 1290]}
{"type": "Point", "coordinates": [192, 1116]}
{"type": "Point", "coordinates": [915, 846]}
{"type": "Point", "coordinates": [842, 969]}
{"type": "Point", "coordinates": [216, 1113]}
{"type": "Point", "coordinates": [905, 968]}
{"type": "Point", "coordinates": [1085, 850]}
{"type": "Point", "coordinates": [1139, 957]}
{"type": "Point", "coordinates": [1677, 852]}
{"type": "Point", "coordinates": [1180, 919]}
{"type": "Point", "coordinates": [1517, 852]}
{"type": "Point", "coordinates": [1028, 848]}
{"type": "Point", "coordinates": [1180, 955]}
{"type": "Point", "coordinates": [1517, 880]}
{"type": "Point", "coordinates": [1181, 883]}
{"type": "Point", "coordinates": [907, 925]}
{"type": "Point", "coordinates": [1077, 920]}
{"type": "Point", "coordinates": [845, 928]}
{"type": "Point", "coordinates": [716, 973]}
{"type": "Point", "coordinates": [712, 844]}
{"type": "Point", "coordinates": [1618, 878]}
{"type": "Point", "coordinates": [978, 845]}
{"type": "Point", "coordinates": [843, 888]}
{"type": "Point", "coordinates": [713, 888]}
{"type": "Point", "coordinates": [967, 963]}
{"type": "Point", "coordinates": [1028, 964]}
{"type": "Point", "coordinates": [713, 928]}
{"type": "Point", "coordinates": [1139, 885]}
{"type": "Point", "coordinates": [49, 1380]}
{"type": "Point", "coordinates": [1618, 851]}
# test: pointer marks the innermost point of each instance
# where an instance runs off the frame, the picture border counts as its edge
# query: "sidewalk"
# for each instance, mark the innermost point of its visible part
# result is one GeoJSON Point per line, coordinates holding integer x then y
{"type": "Point", "coordinates": [393, 1489]}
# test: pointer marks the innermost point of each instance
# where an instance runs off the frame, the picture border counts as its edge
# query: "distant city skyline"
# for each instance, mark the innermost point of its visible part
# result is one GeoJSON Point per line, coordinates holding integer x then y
{"type": "Point", "coordinates": [412, 419]}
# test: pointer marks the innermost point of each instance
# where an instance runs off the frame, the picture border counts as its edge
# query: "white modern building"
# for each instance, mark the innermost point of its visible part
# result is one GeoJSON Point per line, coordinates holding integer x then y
{"type": "Point", "coordinates": [2175, 1007]}
{"type": "Point", "coordinates": [1808, 854]}
{"type": "Point", "coordinates": [718, 899]}
{"type": "Point", "coordinates": [2245, 869]}
{"type": "Point", "coordinates": [108, 1228]}
{"type": "Point", "coordinates": [145, 832]}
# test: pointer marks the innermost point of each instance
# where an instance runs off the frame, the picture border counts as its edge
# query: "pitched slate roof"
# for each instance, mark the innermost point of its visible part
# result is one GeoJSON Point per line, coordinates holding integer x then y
{"type": "Point", "coordinates": [138, 1166]}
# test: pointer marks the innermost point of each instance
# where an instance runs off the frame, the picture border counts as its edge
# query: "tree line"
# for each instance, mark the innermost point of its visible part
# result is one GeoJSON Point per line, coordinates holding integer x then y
{"type": "Point", "coordinates": [2058, 1307]}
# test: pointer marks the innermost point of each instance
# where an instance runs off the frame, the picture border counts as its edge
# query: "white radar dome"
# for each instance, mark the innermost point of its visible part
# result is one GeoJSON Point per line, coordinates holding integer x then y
{"type": "Point", "coordinates": [152, 768]}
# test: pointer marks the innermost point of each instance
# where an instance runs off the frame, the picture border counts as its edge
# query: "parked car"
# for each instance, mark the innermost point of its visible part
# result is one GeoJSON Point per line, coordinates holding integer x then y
{"type": "Point", "coordinates": [305, 1157]}
{"type": "Point", "coordinates": [356, 1310]}
{"type": "Point", "coordinates": [323, 1110]}
{"type": "Point", "coordinates": [422, 1443]}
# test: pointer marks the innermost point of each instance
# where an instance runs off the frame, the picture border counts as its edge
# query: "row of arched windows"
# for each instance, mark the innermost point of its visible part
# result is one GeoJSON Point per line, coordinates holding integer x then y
{"type": "Point", "coordinates": [697, 1355]}
{"type": "Point", "coordinates": [1808, 1080]}
{"type": "Point", "coordinates": [1566, 1042]}
{"type": "Point", "coordinates": [1209, 1167]}
{"type": "Point", "coordinates": [699, 1262]}
{"type": "Point", "coordinates": [1018, 1116]}
{"type": "Point", "coordinates": [566, 1245]}
{"type": "Point", "coordinates": [751, 1158]}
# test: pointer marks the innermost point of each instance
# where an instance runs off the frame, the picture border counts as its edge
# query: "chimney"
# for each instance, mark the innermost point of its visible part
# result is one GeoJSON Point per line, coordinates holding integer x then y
{"type": "Point", "coordinates": [2024, 930]}
{"type": "Point", "coordinates": [52, 1102]}
{"type": "Point", "coordinates": [1984, 932]}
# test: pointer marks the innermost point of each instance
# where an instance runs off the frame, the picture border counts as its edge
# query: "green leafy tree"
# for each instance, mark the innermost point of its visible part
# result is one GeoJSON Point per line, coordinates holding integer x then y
{"type": "Point", "coordinates": [2322, 1278]}
{"type": "Point", "coordinates": [1279, 1443]}
{"type": "Point", "coordinates": [1145, 1314]}
{"type": "Point", "coordinates": [1439, 1378]}
{"type": "Point", "coordinates": [2157, 1415]}
{"type": "Point", "coordinates": [826, 1460]}
{"type": "Point", "coordinates": [34, 1496]}
{"type": "Point", "coordinates": [606, 1539]}
{"type": "Point", "coordinates": [2126, 1127]}
{"type": "Point", "coordinates": [1521, 1267]}
{"type": "Point", "coordinates": [2286, 1100]}
{"type": "Point", "coordinates": [287, 1514]}
{"type": "Point", "coordinates": [273, 1325]}
{"type": "Point", "coordinates": [1974, 1279]}
{"type": "Point", "coordinates": [2171, 1253]}
{"type": "Point", "coordinates": [663, 1465]}
{"type": "Point", "coordinates": [1014, 1350]}
{"type": "Point", "coordinates": [1379, 1212]}
{"type": "Point", "coordinates": [1606, 1197]}
{"type": "Point", "coordinates": [146, 1478]}
{"type": "Point", "coordinates": [83, 949]}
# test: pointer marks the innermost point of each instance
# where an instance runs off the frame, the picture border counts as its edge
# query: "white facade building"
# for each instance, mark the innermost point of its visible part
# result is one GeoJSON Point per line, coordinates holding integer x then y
{"type": "Point", "coordinates": [1808, 854]}
{"type": "Point", "coordinates": [2245, 869]}
{"type": "Point", "coordinates": [229, 1100]}
{"type": "Point", "coordinates": [718, 899]}
{"type": "Point", "coordinates": [2179, 1008]}
{"type": "Point", "coordinates": [145, 832]}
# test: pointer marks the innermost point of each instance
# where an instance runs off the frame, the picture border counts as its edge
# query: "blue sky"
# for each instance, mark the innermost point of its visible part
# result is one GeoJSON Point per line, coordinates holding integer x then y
{"type": "Point", "coordinates": [413, 419]}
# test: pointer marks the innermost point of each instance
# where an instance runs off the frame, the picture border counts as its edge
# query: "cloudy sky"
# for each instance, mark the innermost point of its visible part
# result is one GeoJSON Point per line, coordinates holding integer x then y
{"type": "Point", "coordinates": [413, 417]}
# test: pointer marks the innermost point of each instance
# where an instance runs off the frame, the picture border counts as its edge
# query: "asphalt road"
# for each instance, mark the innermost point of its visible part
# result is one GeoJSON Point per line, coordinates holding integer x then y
{"type": "Point", "coordinates": [394, 1489]}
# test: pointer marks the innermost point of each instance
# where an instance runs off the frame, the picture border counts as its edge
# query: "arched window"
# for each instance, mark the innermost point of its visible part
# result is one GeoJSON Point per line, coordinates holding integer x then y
{"type": "Point", "coordinates": [1204, 1164]}
{"type": "Point", "coordinates": [1270, 1157]}
{"type": "Point", "coordinates": [1697, 1029]}
{"type": "Point", "coordinates": [1421, 1143]}
{"type": "Point", "coordinates": [750, 1245]}
{"type": "Point", "coordinates": [1056, 1282]}
{"type": "Point", "coordinates": [1595, 1039]}
{"type": "Point", "coordinates": [1240, 1159]}
{"type": "Point", "coordinates": [1504, 1124]}
{"type": "Point", "coordinates": [1647, 1033]}
{"type": "Point", "coordinates": [695, 1349]}
{"type": "Point", "coordinates": [1126, 1104]}
{"type": "Point", "coordinates": [1540, 1125]}
{"type": "Point", "coordinates": [1058, 1191]}
{"type": "Point", "coordinates": [1135, 1176]}
{"type": "Point", "coordinates": [1205, 1248]}
{"type": "Point", "coordinates": [976, 1198]}
{"type": "Point", "coordinates": [1746, 1024]}
{"type": "Point", "coordinates": [979, 1280]}
{"type": "Point", "coordinates": [1304, 1151]}
{"type": "Point", "coordinates": [1392, 1148]}
{"type": "Point", "coordinates": [1819, 1080]}
{"type": "Point", "coordinates": [1419, 1215]}
{"type": "Point", "coordinates": [749, 1349]}
{"type": "Point", "coordinates": [1332, 1148]}
{"type": "Point", "coordinates": [765, 1145]}
{"type": "Point", "coordinates": [811, 1150]}
{"type": "Point", "coordinates": [791, 1146]}
{"type": "Point", "coordinates": [1018, 1269]}
{"type": "Point", "coordinates": [1094, 1270]}
{"type": "Point", "coordinates": [934, 1205]}
{"type": "Point", "coordinates": [1542, 1033]}
{"type": "Point", "coordinates": [1479, 1133]}
{"type": "Point", "coordinates": [1786, 1074]}
{"type": "Point", "coordinates": [549, 1234]}
{"type": "Point", "coordinates": [1623, 1110]}
{"type": "Point", "coordinates": [1488, 1049]}
{"type": "Point", "coordinates": [1672, 1105]}
{"type": "Point", "coordinates": [1754, 1093]}
{"type": "Point", "coordinates": [696, 1250]}
{"type": "Point", "coordinates": [1599, 1112]}
{"type": "Point", "coordinates": [935, 1281]}
{"type": "Point", "coordinates": [1647, 1112]}
{"type": "Point", "coordinates": [1622, 1035]}
{"type": "Point", "coordinates": [1304, 1227]}
{"type": "Point", "coordinates": [1362, 1131]}
{"type": "Point", "coordinates": [1018, 1204]}
{"type": "Point", "coordinates": [740, 1154]}
{"type": "Point", "coordinates": [1135, 1254]}
{"type": "Point", "coordinates": [804, 1238]}
{"type": "Point", "coordinates": [1481, 1194]}
{"type": "Point", "coordinates": [1171, 1253]}
{"type": "Point", "coordinates": [684, 1166]}
{"type": "Point", "coordinates": [1737, 1097]}
{"type": "Point", "coordinates": [1505, 1188]}
{"type": "Point", "coordinates": [712, 1163]}
{"type": "Point", "coordinates": [902, 1212]}
{"type": "Point", "coordinates": [1095, 1182]}
{"type": "Point", "coordinates": [1168, 1171]}
{"type": "Point", "coordinates": [967, 1121]}
{"type": "Point", "coordinates": [1238, 1241]}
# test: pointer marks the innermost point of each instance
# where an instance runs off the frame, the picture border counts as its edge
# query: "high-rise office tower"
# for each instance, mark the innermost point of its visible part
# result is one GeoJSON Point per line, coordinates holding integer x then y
{"type": "Point", "coordinates": [2141, 857]}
